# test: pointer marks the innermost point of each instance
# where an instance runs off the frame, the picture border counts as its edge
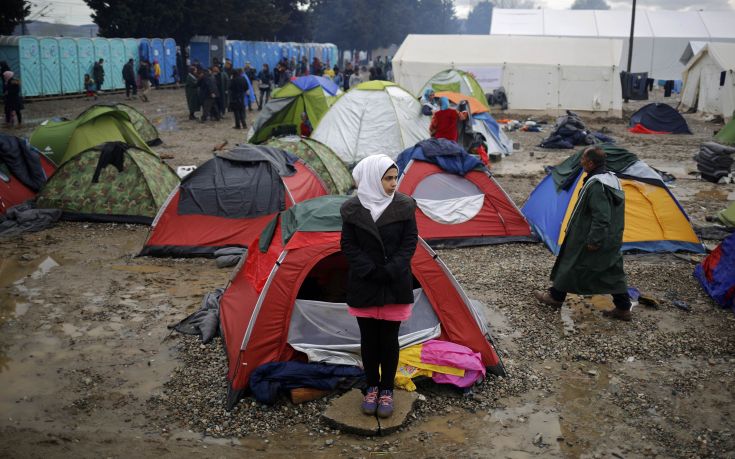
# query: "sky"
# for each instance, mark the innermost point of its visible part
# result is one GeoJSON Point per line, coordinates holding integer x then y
{"type": "Point", "coordinates": [76, 11]}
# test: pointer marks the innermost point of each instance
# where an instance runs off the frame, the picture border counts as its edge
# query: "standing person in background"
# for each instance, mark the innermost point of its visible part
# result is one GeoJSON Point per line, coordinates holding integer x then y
{"type": "Point", "coordinates": [265, 80]}
{"type": "Point", "coordinates": [156, 74]}
{"type": "Point", "coordinates": [223, 89]}
{"type": "Point", "coordinates": [128, 74]}
{"type": "Point", "coordinates": [346, 76]}
{"type": "Point", "coordinates": [305, 128]}
{"type": "Point", "coordinates": [303, 68]}
{"type": "Point", "coordinates": [238, 93]}
{"type": "Point", "coordinates": [338, 78]}
{"type": "Point", "coordinates": [192, 93]}
{"type": "Point", "coordinates": [98, 74]}
{"type": "Point", "coordinates": [316, 67]}
{"type": "Point", "coordinates": [209, 95]}
{"type": "Point", "coordinates": [291, 65]}
{"type": "Point", "coordinates": [379, 238]}
{"type": "Point", "coordinates": [389, 71]}
{"type": "Point", "coordinates": [4, 67]}
{"type": "Point", "coordinates": [328, 73]}
{"type": "Point", "coordinates": [144, 73]}
{"type": "Point", "coordinates": [90, 87]}
{"type": "Point", "coordinates": [355, 79]}
{"type": "Point", "coordinates": [12, 98]}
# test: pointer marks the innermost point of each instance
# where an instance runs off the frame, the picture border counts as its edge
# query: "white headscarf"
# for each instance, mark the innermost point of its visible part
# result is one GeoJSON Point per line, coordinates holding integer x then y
{"type": "Point", "coordinates": [368, 175]}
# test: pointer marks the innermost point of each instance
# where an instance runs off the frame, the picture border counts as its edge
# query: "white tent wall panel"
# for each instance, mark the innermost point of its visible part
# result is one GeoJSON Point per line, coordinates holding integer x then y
{"type": "Point", "coordinates": [702, 76]}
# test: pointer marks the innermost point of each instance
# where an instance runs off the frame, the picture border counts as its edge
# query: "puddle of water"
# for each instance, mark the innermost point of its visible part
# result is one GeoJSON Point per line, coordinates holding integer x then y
{"type": "Point", "coordinates": [579, 311]}
{"type": "Point", "coordinates": [15, 297]}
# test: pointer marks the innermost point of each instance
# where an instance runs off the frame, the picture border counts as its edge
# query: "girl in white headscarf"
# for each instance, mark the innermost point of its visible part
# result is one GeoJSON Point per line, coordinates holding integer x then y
{"type": "Point", "coordinates": [379, 238]}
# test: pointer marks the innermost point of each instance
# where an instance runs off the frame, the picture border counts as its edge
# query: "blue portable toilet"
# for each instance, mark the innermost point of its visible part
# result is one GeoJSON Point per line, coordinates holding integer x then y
{"type": "Point", "coordinates": [132, 52]}
{"type": "Point", "coordinates": [199, 51]}
{"type": "Point", "coordinates": [71, 81]}
{"type": "Point", "coordinates": [102, 51]}
{"type": "Point", "coordinates": [50, 66]}
{"type": "Point", "coordinates": [117, 61]}
{"type": "Point", "coordinates": [157, 54]}
{"type": "Point", "coordinates": [85, 53]}
{"type": "Point", "coordinates": [238, 58]}
{"type": "Point", "coordinates": [24, 58]}
{"type": "Point", "coordinates": [168, 66]}
{"type": "Point", "coordinates": [144, 50]}
{"type": "Point", "coordinates": [229, 52]}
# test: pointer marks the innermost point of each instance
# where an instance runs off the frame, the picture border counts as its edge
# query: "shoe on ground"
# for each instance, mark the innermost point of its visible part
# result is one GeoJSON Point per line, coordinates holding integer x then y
{"type": "Point", "coordinates": [370, 401]}
{"type": "Point", "coordinates": [385, 404]}
{"type": "Point", "coordinates": [547, 299]}
{"type": "Point", "coordinates": [619, 314]}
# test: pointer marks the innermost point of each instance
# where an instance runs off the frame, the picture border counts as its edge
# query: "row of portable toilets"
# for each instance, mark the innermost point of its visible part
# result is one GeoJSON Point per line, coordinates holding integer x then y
{"type": "Point", "coordinates": [203, 49]}
{"type": "Point", "coordinates": [50, 66]}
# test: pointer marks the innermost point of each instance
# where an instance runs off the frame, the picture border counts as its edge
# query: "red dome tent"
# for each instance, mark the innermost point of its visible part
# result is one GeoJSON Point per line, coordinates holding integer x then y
{"type": "Point", "coordinates": [301, 249]}
{"type": "Point", "coordinates": [459, 203]}
{"type": "Point", "coordinates": [228, 200]}
{"type": "Point", "coordinates": [23, 171]}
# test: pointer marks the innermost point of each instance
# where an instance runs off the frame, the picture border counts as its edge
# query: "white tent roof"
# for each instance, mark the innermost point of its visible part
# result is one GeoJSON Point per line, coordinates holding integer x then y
{"type": "Point", "coordinates": [691, 50]}
{"type": "Point", "coordinates": [665, 34]}
{"type": "Point", "coordinates": [469, 50]}
{"type": "Point", "coordinates": [722, 53]}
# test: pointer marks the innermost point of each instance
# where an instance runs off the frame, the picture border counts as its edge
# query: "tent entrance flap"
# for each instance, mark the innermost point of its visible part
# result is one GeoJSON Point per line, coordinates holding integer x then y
{"type": "Point", "coordinates": [327, 333]}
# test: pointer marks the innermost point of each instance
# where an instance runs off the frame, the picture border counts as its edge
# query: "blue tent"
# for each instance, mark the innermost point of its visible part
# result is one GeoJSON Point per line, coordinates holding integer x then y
{"type": "Point", "coordinates": [113, 70]}
{"type": "Point", "coordinates": [50, 66]}
{"type": "Point", "coordinates": [660, 118]}
{"type": "Point", "coordinates": [71, 81]}
{"type": "Point", "coordinates": [168, 66]}
{"type": "Point", "coordinates": [716, 273]}
{"type": "Point", "coordinates": [24, 58]}
{"type": "Point", "coordinates": [85, 53]}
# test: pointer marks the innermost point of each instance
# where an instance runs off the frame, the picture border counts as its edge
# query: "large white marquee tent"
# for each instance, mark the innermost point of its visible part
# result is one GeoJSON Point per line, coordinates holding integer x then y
{"type": "Point", "coordinates": [539, 74]}
{"type": "Point", "coordinates": [660, 36]}
{"type": "Point", "coordinates": [709, 81]}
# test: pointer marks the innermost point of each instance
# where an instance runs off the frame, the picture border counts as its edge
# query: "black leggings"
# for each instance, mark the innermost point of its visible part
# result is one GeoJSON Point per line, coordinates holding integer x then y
{"type": "Point", "coordinates": [379, 349]}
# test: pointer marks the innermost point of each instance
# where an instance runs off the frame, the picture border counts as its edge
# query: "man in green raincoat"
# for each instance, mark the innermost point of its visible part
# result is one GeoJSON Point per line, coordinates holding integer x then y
{"type": "Point", "coordinates": [590, 261]}
{"type": "Point", "coordinates": [192, 92]}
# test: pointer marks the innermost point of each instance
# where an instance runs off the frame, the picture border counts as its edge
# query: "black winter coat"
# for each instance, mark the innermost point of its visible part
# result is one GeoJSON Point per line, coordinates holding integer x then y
{"type": "Point", "coordinates": [379, 253]}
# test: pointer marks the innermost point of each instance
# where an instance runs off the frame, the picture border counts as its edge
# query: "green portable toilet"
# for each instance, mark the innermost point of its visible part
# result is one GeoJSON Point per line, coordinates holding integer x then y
{"type": "Point", "coordinates": [24, 58]}
{"type": "Point", "coordinates": [50, 66]}
{"type": "Point", "coordinates": [85, 53]}
{"type": "Point", "coordinates": [71, 81]}
{"type": "Point", "coordinates": [113, 71]}
{"type": "Point", "coordinates": [102, 51]}
{"type": "Point", "coordinates": [131, 52]}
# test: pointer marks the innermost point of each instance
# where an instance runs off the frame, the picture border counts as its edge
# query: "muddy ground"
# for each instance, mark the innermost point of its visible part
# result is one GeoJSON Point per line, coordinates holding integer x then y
{"type": "Point", "coordinates": [88, 367]}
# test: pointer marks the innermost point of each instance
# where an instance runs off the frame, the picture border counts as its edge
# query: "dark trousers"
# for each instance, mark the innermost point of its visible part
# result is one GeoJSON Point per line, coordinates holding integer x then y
{"type": "Point", "coordinates": [209, 107]}
{"type": "Point", "coordinates": [9, 109]}
{"type": "Point", "coordinates": [265, 96]}
{"type": "Point", "coordinates": [379, 350]}
{"type": "Point", "coordinates": [620, 300]}
{"type": "Point", "coordinates": [239, 113]}
{"type": "Point", "coordinates": [130, 86]}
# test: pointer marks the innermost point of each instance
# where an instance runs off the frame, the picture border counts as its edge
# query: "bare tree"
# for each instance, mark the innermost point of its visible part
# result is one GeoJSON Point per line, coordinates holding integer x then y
{"type": "Point", "coordinates": [590, 5]}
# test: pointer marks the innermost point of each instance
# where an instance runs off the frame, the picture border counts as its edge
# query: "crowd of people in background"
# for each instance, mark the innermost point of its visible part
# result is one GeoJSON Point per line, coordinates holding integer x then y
{"type": "Point", "coordinates": [221, 87]}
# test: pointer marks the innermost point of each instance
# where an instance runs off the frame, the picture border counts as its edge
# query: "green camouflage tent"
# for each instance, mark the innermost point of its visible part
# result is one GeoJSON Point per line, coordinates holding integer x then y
{"type": "Point", "coordinates": [727, 216]}
{"type": "Point", "coordinates": [90, 187]}
{"type": "Point", "coordinates": [62, 140]}
{"type": "Point", "coordinates": [145, 128]}
{"type": "Point", "coordinates": [454, 80]}
{"type": "Point", "coordinates": [727, 134]}
{"type": "Point", "coordinates": [282, 115]}
{"type": "Point", "coordinates": [319, 157]}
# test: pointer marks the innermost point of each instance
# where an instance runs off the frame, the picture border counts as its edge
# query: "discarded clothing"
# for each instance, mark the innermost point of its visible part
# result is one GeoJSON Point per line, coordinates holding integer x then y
{"type": "Point", "coordinates": [714, 161]}
{"type": "Point", "coordinates": [444, 153]}
{"type": "Point", "coordinates": [268, 380]}
{"type": "Point", "coordinates": [205, 321]}
{"type": "Point", "coordinates": [23, 161]}
{"type": "Point", "coordinates": [24, 218]}
{"type": "Point", "coordinates": [411, 366]}
{"type": "Point", "coordinates": [716, 273]}
{"type": "Point", "coordinates": [444, 362]}
{"type": "Point", "coordinates": [112, 153]}
{"type": "Point", "coordinates": [569, 131]}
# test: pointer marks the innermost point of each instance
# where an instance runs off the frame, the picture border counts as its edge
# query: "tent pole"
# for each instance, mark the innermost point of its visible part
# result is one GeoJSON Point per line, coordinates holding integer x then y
{"type": "Point", "coordinates": [630, 40]}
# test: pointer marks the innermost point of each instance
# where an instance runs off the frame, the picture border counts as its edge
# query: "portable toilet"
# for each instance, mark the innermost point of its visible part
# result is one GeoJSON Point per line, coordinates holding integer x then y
{"type": "Point", "coordinates": [168, 67]}
{"type": "Point", "coordinates": [85, 54]}
{"type": "Point", "coordinates": [199, 50]}
{"type": "Point", "coordinates": [238, 58]}
{"type": "Point", "coordinates": [229, 54]}
{"type": "Point", "coordinates": [117, 61]}
{"type": "Point", "coordinates": [144, 50]}
{"type": "Point", "coordinates": [132, 52]}
{"type": "Point", "coordinates": [24, 58]}
{"type": "Point", "coordinates": [102, 51]}
{"type": "Point", "coordinates": [50, 66]}
{"type": "Point", "coordinates": [157, 54]}
{"type": "Point", "coordinates": [71, 81]}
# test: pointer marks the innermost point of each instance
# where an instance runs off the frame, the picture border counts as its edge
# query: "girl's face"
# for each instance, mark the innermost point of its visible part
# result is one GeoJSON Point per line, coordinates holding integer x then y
{"type": "Point", "coordinates": [390, 181]}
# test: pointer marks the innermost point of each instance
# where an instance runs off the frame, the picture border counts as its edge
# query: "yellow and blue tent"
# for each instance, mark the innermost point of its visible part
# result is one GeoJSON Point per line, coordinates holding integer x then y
{"type": "Point", "coordinates": [654, 219]}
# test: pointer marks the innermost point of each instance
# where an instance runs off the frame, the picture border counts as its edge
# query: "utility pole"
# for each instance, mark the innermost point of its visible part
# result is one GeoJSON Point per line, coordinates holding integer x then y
{"type": "Point", "coordinates": [630, 42]}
